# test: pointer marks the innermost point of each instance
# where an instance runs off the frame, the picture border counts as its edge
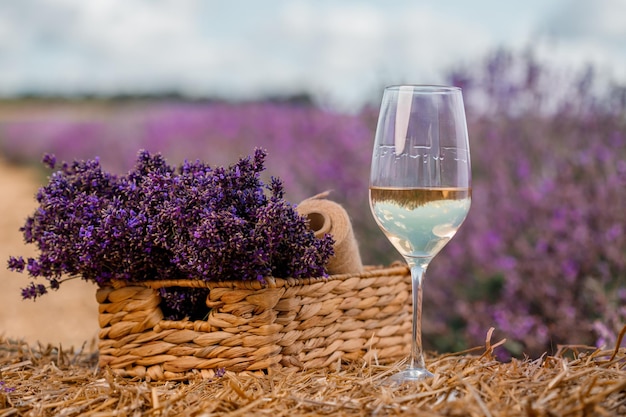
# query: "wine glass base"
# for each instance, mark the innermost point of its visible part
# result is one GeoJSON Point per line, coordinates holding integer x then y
{"type": "Point", "coordinates": [409, 375]}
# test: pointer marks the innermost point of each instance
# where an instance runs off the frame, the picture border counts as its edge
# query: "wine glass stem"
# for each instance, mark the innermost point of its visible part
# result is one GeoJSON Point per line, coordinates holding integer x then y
{"type": "Point", "coordinates": [418, 269]}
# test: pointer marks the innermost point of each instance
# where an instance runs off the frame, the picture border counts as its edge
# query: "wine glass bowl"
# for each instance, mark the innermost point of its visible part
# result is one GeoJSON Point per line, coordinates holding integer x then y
{"type": "Point", "coordinates": [420, 184]}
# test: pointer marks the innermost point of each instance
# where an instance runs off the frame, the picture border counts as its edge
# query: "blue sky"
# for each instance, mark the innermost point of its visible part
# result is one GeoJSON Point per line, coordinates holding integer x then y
{"type": "Point", "coordinates": [342, 52]}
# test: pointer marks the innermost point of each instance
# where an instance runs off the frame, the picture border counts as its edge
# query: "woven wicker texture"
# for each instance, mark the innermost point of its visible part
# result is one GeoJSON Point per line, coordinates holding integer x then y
{"type": "Point", "coordinates": [305, 323]}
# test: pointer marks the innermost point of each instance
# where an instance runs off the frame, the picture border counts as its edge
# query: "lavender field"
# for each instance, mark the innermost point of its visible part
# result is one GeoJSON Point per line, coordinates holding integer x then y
{"type": "Point", "coordinates": [542, 255]}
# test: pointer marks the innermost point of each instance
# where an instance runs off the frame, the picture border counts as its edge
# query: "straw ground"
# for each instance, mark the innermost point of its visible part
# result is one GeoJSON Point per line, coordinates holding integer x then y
{"type": "Point", "coordinates": [576, 381]}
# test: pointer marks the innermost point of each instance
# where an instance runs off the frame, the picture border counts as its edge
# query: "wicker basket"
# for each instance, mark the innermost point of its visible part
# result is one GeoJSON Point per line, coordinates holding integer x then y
{"type": "Point", "coordinates": [304, 323]}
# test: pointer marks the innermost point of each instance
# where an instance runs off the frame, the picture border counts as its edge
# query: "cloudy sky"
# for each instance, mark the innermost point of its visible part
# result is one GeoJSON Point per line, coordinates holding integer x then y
{"type": "Point", "coordinates": [340, 51]}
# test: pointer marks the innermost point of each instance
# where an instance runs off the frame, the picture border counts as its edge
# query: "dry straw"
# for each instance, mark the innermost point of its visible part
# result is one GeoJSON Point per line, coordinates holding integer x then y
{"type": "Point", "coordinates": [575, 381]}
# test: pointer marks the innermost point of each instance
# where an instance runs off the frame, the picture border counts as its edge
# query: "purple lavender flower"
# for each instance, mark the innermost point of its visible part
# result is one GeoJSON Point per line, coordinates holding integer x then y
{"type": "Point", "coordinates": [33, 291]}
{"type": "Point", "coordinates": [6, 389]}
{"type": "Point", "coordinates": [49, 160]}
{"type": "Point", "coordinates": [161, 222]}
{"type": "Point", "coordinates": [179, 303]}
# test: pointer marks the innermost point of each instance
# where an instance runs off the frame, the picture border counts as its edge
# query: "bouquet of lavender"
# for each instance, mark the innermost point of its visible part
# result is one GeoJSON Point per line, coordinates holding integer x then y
{"type": "Point", "coordinates": [161, 222]}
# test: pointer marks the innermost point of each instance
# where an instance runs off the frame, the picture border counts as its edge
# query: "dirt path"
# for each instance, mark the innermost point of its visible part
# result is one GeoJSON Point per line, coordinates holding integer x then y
{"type": "Point", "coordinates": [67, 317]}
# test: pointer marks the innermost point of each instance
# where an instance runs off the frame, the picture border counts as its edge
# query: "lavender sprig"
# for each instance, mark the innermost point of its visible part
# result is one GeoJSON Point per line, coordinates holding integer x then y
{"type": "Point", "coordinates": [163, 222]}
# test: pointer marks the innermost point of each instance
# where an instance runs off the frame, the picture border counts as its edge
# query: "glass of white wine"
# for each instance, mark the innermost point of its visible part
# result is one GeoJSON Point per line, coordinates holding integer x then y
{"type": "Point", "coordinates": [420, 185]}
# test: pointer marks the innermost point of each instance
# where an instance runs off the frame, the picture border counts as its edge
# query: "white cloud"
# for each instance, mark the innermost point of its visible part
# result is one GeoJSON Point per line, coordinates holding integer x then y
{"type": "Point", "coordinates": [355, 48]}
{"type": "Point", "coordinates": [583, 32]}
{"type": "Point", "coordinates": [338, 50]}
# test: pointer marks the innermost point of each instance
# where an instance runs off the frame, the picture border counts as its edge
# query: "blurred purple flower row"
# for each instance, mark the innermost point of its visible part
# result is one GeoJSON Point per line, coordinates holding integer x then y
{"type": "Point", "coordinates": [542, 255]}
{"type": "Point", "coordinates": [310, 149]}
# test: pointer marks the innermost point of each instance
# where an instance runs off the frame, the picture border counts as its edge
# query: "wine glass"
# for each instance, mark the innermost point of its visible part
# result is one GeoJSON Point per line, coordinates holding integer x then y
{"type": "Point", "coordinates": [420, 185]}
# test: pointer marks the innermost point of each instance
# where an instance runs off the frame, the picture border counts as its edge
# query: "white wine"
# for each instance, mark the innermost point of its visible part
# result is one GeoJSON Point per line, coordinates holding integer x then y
{"type": "Point", "coordinates": [419, 221]}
